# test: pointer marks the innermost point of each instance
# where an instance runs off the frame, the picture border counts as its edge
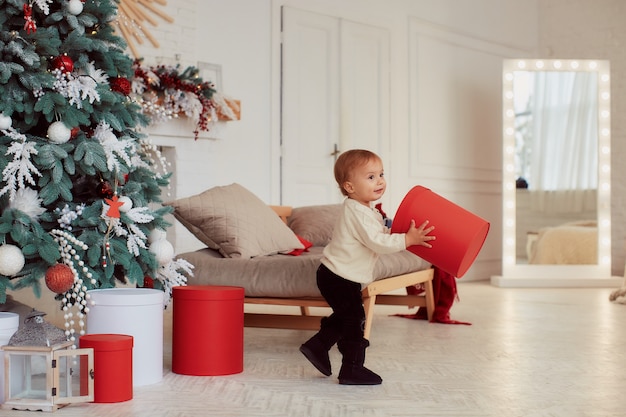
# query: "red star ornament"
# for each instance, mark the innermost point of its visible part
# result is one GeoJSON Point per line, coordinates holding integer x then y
{"type": "Point", "coordinates": [114, 206]}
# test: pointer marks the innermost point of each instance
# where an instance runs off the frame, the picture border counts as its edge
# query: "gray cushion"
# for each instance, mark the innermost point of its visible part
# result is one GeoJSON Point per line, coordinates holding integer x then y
{"type": "Point", "coordinates": [315, 223]}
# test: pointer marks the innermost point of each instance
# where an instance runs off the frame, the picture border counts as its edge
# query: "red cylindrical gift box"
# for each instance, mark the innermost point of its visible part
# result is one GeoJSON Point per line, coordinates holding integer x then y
{"type": "Point", "coordinates": [207, 330]}
{"type": "Point", "coordinates": [460, 234]}
{"type": "Point", "coordinates": [113, 366]}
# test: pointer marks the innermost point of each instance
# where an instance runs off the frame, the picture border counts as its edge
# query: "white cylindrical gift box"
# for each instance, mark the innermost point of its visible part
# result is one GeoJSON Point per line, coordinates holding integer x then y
{"type": "Point", "coordinates": [9, 323]}
{"type": "Point", "coordinates": [136, 312]}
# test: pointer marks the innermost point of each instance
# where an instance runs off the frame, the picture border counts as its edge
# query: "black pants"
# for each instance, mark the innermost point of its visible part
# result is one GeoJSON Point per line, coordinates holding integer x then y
{"type": "Point", "coordinates": [344, 297]}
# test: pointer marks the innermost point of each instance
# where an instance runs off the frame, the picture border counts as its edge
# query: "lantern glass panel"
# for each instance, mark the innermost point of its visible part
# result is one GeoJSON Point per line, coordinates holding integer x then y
{"type": "Point", "coordinates": [73, 372]}
{"type": "Point", "coordinates": [28, 375]}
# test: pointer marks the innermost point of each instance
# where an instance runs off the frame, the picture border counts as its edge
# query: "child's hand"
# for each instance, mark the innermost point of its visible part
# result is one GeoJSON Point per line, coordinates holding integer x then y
{"type": "Point", "coordinates": [419, 235]}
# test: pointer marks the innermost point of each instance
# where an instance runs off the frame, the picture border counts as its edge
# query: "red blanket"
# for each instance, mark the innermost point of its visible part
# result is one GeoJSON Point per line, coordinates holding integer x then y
{"type": "Point", "coordinates": [444, 289]}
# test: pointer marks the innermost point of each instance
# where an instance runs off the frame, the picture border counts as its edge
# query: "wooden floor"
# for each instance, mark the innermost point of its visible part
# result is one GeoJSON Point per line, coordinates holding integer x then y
{"type": "Point", "coordinates": [528, 352]}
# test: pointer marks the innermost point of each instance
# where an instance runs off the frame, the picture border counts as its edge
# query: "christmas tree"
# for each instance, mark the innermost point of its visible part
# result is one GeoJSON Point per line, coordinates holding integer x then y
{"type": "Point", "coordinates": [80, 187]}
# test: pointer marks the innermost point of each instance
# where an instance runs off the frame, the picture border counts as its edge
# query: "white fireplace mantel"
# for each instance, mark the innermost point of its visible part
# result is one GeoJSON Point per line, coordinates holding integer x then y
{"type": "Point", "coordinates": [187, 158]}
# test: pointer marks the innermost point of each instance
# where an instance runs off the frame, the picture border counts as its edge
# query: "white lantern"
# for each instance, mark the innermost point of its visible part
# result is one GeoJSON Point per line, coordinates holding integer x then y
{"type": "Point", "coordinates": [43, 373]}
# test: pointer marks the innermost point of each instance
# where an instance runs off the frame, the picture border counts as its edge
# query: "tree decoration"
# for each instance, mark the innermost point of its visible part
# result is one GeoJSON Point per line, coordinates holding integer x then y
{"type": "Point", "coordinates": [172, 274]}
{"type": "Point", "coordinates": [59, 278]}
{"type": "Point", "coordinates": [121, 85]}
{"type": "Point", "coordinates": [11, 260]}
{"type": "Point", "coordinates": [63, 63]}
{"type": "Point", "coordinates": [52, 189]}
{"type": "Point", "coordinates": [29, 24]}
{"type": "Point", "coordinates": [126, 204]}
{"type": "Point", "coordinates": [148, 282]}
{"type": "Point", "coordinates": [59, 133]}
{"type": "Point", "coordinates": [157, 234]}
{"type": "Point", "coordinates": [67, 215]}
{"type": "Point", "coordinates": [105, 190]}
{"type": "Point", "coordinates": [77, 86]}
{"type": "Point", "coordinates": [114, 207]}
{"type": "Point", "coordinates": [75, 7]}
{"type": "Point", "coordinates": [163, 251]}
{"type": "Point", "coordinates": [5, 122]}
{"type": "Point", "coordinates": [28, 202]}
{"type": "Point", "coordinates": [21, 169]}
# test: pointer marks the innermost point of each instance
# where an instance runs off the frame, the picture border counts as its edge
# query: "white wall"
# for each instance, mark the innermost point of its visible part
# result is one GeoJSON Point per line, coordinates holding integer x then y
{"type": "Point", "coordinates": [243, 36]}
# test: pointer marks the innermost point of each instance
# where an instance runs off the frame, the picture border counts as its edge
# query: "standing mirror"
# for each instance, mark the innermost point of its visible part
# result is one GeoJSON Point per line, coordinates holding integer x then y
{"type": "Point", "coordinates": [556, 174]}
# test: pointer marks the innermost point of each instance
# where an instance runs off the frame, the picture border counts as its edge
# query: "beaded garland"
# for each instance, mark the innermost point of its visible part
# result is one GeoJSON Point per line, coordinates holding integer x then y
{"type": "Point", "coordinates": [77, 295]}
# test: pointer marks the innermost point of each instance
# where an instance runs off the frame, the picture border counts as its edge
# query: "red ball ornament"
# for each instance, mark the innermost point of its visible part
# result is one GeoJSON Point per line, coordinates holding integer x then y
{"type": "Point", "coordinates": [105, 190]}
{"type": "Point", "coordinates": [74, 132]}
{"type": "Point", "coordinates": [121, 85]}
{"type": "Point", "coordinates": [148, 282]}
{"type": "Point", "coordinates": [59, 278]}
{"type": "Point", "coordinates": [63, 62]}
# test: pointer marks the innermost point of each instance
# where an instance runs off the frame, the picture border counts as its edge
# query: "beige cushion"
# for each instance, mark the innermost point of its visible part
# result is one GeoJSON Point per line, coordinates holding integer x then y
{"type": "Point", "coordinates": [236, 222]}
{"type": "Point", "coordinates": [315, 223]}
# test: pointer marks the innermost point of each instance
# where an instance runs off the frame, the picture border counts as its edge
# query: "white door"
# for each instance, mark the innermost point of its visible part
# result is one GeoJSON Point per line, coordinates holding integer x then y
{"type": "Point", "coordinates": [335, 96]}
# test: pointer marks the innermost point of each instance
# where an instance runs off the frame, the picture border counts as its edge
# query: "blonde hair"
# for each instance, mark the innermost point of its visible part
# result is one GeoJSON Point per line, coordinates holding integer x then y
{"type": "Point", "coordinates": [348, 162]}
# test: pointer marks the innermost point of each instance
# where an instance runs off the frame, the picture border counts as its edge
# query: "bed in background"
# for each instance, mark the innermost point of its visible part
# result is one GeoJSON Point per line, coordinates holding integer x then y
{"type": "Point", "coordinates": [573, 243]}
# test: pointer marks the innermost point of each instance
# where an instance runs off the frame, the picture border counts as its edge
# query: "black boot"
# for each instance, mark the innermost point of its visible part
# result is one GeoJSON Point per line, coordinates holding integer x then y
{"type": "Point", "coordinates": [352, 370]}
{"type": "Point", "coordinates": [316, 348]}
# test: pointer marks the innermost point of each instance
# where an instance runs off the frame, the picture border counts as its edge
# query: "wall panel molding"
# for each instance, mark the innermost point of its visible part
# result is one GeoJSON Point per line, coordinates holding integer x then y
{"type": "Point", "coordinates": [454, 77]}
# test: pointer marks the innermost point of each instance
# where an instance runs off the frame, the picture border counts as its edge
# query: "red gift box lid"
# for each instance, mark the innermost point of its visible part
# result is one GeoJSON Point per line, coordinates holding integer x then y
{"type": "Point", "coordinates": [208, 292]}
{"type": "Point", "coordinates": [459, 234]}
{"type": "Point", "coordinates": [106, 341]}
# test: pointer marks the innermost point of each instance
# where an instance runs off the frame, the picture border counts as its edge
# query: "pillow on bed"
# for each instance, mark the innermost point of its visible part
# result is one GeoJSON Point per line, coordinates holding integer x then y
{"type": "Point", "coordinates": [314, 223]}
{"type": "Point", "coordinates": [234, 221]}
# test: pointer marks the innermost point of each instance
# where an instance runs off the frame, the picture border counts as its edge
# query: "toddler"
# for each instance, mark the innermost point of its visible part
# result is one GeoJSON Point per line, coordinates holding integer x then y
{"type": "Point", "coordinates": [348, 263]}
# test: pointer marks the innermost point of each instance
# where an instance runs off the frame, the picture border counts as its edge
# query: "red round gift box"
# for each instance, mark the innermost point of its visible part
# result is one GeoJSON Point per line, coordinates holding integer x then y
{"type": "Point", "coordinates": [459, 233]}
{"type": "Point", "coordinates": [113, 366]}
{"type": "Point", "coordinates": [207, 330]}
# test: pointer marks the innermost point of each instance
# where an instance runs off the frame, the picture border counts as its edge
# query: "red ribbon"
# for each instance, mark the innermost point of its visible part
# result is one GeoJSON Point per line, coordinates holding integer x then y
{"type": "Point", "coordinates": [30, 25]}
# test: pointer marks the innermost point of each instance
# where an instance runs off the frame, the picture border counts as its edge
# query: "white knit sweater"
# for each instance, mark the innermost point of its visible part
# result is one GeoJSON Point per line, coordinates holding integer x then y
{"type": "Point", "coordinates": [358, 238]}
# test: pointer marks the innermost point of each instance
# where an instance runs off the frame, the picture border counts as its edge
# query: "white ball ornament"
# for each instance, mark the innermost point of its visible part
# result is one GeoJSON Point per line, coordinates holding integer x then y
{"type": "Point", "coordinates": [75, 7]}
{"type": "Point", "coordinates": [163, 251]}
{"type": "Point", "coordinates": [156, 235]}
{"type": "Point", "coordinates": [5, 122]}
{"type": "Point", "coordinates": [11, 260]}
{"type": "Point", "coordinates": [59, 133]}
{"type": "Point", "coordinates": [127, 203]}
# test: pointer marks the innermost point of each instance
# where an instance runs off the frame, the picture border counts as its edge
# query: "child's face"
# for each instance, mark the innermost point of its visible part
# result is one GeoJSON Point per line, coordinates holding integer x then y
{"type": "Point", "coordinates": [367, 182]}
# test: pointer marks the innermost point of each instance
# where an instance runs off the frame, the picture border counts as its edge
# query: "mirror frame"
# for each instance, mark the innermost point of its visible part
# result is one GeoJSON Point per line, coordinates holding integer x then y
{"type": "Point", "coordinates": [516, 275]}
